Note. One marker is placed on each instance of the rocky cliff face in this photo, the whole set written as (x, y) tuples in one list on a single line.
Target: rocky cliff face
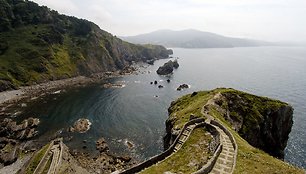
[(171, 134), (263, 122), (38, 45)]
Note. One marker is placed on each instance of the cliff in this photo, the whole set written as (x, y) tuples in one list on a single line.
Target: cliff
[(257, 123), (38, 45), (263, 122)]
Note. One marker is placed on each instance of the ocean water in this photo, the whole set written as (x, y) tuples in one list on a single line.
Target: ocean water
[(137, 112)]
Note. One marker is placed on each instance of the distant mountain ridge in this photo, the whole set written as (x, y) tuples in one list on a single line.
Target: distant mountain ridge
[(192, 39)]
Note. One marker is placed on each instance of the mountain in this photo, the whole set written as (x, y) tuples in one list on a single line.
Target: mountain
[(38, 44), (192, 39)]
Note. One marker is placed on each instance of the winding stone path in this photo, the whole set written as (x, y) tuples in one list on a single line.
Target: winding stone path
[(225, 161)]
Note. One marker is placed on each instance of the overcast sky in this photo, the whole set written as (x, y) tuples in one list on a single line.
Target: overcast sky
[(271, 20)]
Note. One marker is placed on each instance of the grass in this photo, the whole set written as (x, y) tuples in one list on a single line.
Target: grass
[(249, 159), (29, 58), (36, 159), (190, 158), (182, 108), (46, 169)]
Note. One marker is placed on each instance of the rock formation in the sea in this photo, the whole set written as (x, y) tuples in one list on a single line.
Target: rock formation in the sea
[(38, 44), (182, 86), (150, 62), (82, 125), (263, 122), (168, 67)]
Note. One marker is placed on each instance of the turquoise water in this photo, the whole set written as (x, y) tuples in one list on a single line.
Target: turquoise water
[(135, 114)]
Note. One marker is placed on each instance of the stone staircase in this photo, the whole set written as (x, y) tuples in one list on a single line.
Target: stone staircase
[(225, 161), (184, 136), (224, 158)]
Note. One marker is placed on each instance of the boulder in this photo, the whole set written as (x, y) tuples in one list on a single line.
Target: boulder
[(82, 125), (9, 154), (182, 86), (194, 94), (25, 130), (101, 145), (175, 64), (124, 158), (150, 62), (167, 68)]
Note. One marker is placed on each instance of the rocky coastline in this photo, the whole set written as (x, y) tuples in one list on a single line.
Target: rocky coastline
[(19, 138), (262, 122)]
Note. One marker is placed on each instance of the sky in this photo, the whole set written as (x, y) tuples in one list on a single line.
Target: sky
[(270, 20)]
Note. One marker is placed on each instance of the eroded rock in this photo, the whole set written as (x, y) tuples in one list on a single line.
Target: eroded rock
[(167, 68), (101, 145), (82, 125), (182, 86)]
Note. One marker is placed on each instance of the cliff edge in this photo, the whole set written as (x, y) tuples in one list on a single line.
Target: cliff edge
[(260, 125)]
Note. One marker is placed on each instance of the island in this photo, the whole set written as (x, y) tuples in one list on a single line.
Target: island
[(168, 67)]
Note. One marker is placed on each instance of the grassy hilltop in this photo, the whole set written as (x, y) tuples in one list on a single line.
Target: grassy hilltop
[(243, 112)]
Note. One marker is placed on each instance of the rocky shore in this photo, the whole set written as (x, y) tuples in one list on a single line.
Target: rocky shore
[(19, 138), (104, 161), (8, 98)]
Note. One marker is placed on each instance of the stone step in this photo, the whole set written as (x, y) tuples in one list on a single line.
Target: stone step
[(180, 142)]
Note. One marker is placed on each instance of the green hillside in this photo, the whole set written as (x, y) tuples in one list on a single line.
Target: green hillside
[(38, 44)]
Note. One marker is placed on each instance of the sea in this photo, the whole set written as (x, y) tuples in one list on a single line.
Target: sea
[(136, 113)]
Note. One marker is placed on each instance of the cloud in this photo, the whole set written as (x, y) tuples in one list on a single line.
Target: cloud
[(259, 19), (63, 6)]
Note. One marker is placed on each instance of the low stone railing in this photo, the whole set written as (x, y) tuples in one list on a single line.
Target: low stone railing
[(213, 145), (211, 163)]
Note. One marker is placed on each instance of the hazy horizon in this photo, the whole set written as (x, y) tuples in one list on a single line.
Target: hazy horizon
[(267, 20)]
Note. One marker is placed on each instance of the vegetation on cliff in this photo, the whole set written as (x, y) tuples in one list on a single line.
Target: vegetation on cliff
[(249, 159), (38, 44), (190, 158)]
